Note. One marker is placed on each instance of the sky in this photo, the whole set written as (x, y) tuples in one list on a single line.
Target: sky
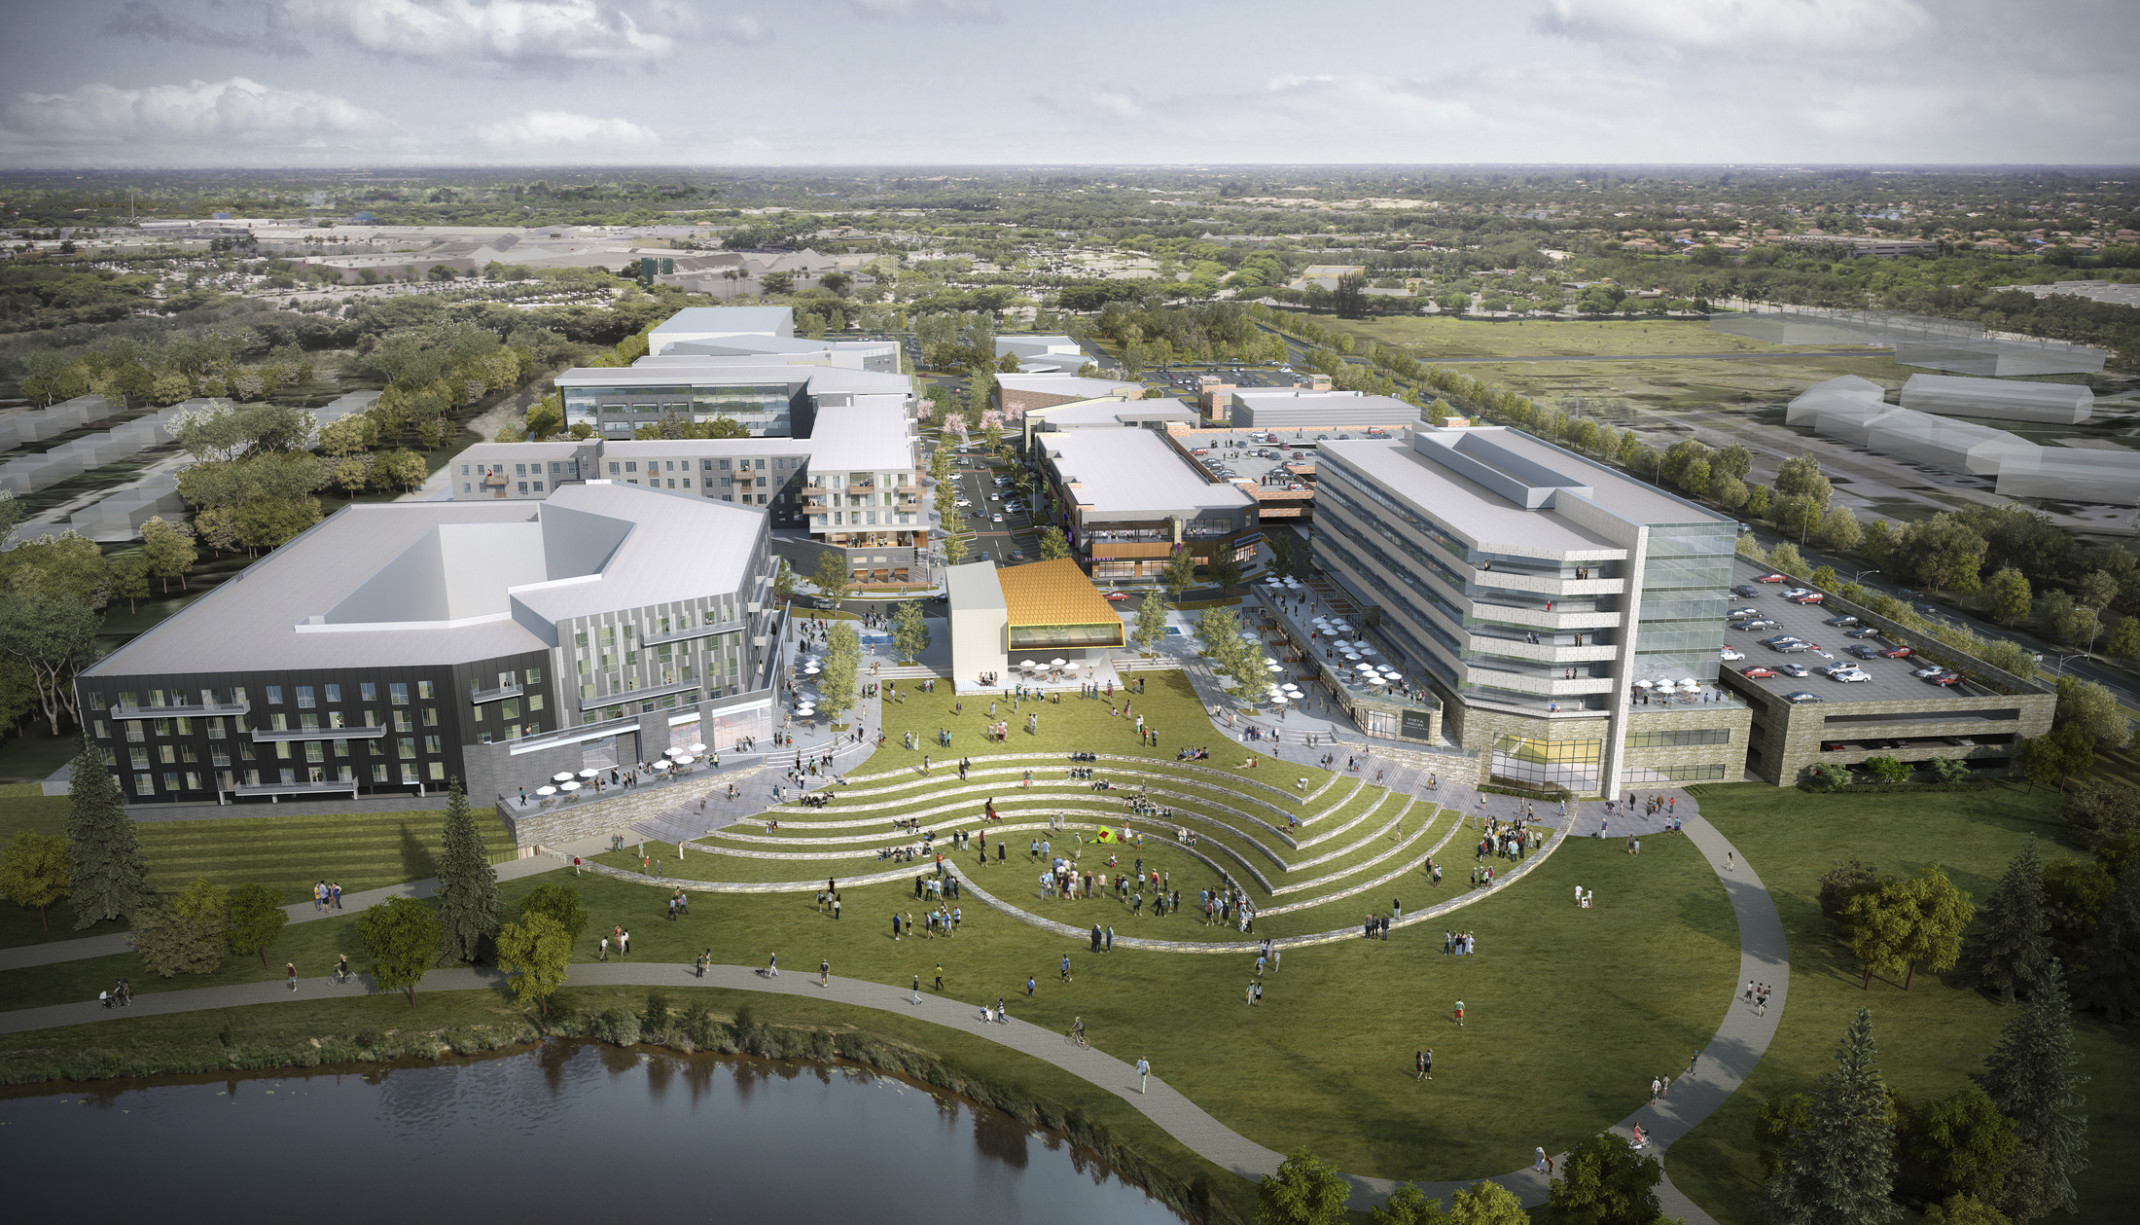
[(215, 83)]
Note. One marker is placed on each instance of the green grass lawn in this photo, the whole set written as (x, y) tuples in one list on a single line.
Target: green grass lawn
[(361, 850), (1325, 1061), (1932, 1036), (1446, 337)]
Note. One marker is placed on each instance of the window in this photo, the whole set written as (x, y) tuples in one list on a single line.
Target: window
[(438, 771), (520, 470), (580, 639), (631, 465), (534, 676), (170, 780), (407, 747), (401, 720), (511, 709), (334, 695), (430, 716), (163, 727), (379, 774), (305, 699), (613, 468), (423, 690), (274, 695), (434, 745), (138, 758), (534, 702), (144, 784), (133, 731), (368, 691), (1676, 739), (400, 692)]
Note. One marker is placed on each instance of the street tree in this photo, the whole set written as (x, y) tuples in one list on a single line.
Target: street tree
[(2093, 709), (838, 681), (1054, 545), (2008, 950), (1840, 1168), (1604, 1182), (832, 576), (1801, 477), (536, 951), (256, 919), (33, 872), (1226, 570), (103, 852), (910, 630), (2030, 1077), (1180, 572), (2123, 640), (1302, 1191), (1151, 623), (467, 883), (1839, 529), (170, 551), (2007, 593), (400, 937)]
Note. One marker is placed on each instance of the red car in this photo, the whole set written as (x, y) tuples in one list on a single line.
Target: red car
[(1947, 678), (1772, 578), (1758, 673), (1897, 652), (1118, 595)]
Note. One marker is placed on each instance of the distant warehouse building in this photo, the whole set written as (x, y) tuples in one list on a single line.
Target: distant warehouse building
[(398, 645), (1998, 399), (1301, 410)]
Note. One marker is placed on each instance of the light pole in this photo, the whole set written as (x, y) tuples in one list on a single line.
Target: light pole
[(2061, 669), (1859, 575), (2095, 622)]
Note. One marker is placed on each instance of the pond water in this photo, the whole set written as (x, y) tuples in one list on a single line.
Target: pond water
[(566, 1131)]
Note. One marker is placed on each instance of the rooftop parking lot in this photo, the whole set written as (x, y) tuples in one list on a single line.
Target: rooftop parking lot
[(1830, 644)]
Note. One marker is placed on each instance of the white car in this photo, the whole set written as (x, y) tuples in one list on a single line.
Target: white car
[(964, 503), (1849, 676), (1730, 654), (995, 518)]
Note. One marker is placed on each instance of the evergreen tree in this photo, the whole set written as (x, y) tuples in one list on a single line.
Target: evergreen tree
[(467, 884), (2112, 981), (1840, 1168), (2030, 1078), (2009, 952), (110, 876)]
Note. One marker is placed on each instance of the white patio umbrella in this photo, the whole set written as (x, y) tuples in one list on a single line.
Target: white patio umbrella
[(546, 791), (1643, 684), (1280, 699), (1274, 667), (1072, 666), (1028, 665), (1058, 662), (589, 773), (661, 765), (562, 776), (1690, 683), (697, 748), (1394, 678), (672, 752), (568, 787), (685, 760)]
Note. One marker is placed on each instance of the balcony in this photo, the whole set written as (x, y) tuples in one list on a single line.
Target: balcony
[(1539, 683), (1535, 616), (476, 695), (915, 490), (263, 735), (628, 696), (862, 490), (1547, 652), (342, 786), (183, 711)]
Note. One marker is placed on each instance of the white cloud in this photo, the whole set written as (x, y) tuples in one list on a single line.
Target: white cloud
[(684, 21), (498, 35), (943, 10), (559, 129), (198, 111), (1755, 27), (144, 20)]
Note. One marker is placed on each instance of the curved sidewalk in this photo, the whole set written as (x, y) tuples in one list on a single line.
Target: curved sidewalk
[(1723, 1066)]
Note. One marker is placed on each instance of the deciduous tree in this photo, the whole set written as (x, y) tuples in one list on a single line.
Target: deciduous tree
[(832, 575), (1407, 1205), (1180, 572), (1959, 1144), (837, 681), (33, 872), (1302, 1191), (52, 632), (536, 951), (910, 630), (1151, 623), (256, 919), (1054, 546), (400, 937), (1604, 1182), (560, 902), (1487, 1203), (2008, 595), (169, 550)]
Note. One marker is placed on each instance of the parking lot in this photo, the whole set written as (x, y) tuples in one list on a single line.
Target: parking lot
[(1830, 644), (1009, 543)]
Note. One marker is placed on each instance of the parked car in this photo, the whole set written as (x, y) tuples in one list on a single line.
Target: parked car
[(1865, 631), (1794, 669), (1928, 672), (1781, 638), (1946, 678), (995, 518), (1833, 746), (1897, 652), (1757, 626), (1864, 652), (1730, 653), (1801, 698), (1758, 673), (1744, 592), (1845, 620), (1850, 676), (1118, 596), (1746, 610), (1772, 578), (1810, 597), (1961, 742), (1792, 648)]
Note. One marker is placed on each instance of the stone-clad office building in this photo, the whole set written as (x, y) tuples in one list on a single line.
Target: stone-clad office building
[(395, 646)]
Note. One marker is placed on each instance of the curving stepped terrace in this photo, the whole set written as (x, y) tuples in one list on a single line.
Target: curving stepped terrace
[(1313, 859)]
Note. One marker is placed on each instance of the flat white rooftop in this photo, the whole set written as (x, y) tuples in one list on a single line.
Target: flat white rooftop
[(1135, 472)]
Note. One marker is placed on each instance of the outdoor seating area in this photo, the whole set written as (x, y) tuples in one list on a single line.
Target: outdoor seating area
[(585, 785)]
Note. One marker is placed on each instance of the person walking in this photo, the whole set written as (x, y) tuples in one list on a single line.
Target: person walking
[(772, 965), (1691, 1062), (824, 972), (1460, 1014), (1665, 1089), (939, 976), (624, 944), (1653, 1090), (1426, 1063), (290, 968), (1540, 1164), (1144, 1072), (917, 988)]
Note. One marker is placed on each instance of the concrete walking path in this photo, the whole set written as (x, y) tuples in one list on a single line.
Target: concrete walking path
[(1720, 1069)]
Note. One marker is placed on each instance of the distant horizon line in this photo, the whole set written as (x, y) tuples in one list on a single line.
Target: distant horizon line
[(1007, 166)]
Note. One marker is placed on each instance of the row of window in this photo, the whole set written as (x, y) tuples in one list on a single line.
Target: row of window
[(176, 781), (1679, 738)]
